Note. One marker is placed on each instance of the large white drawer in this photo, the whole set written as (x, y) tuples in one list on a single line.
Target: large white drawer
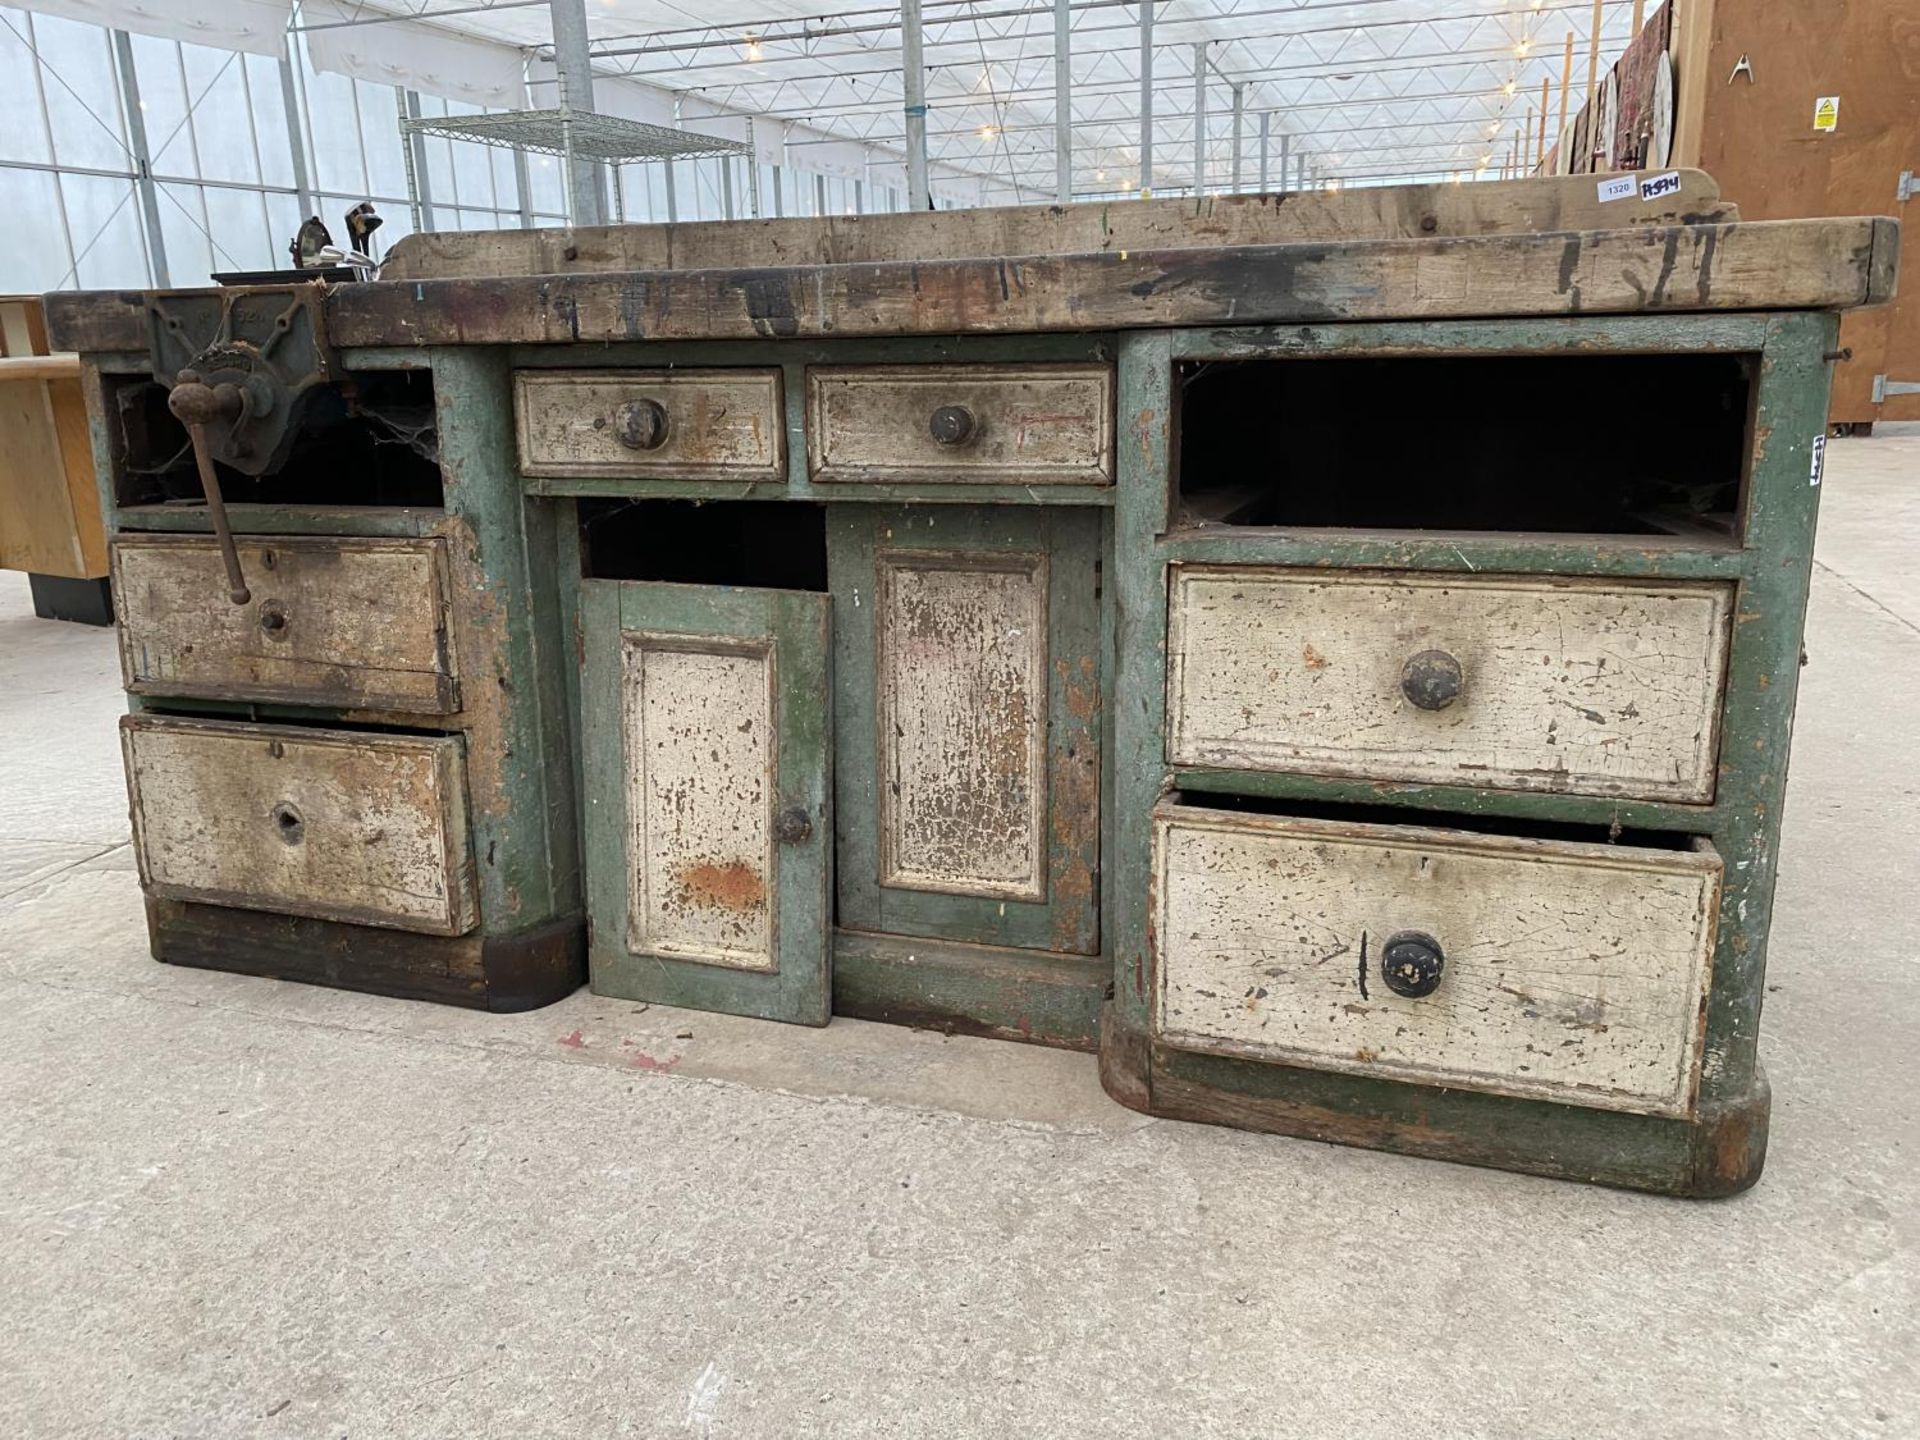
[(359, 826), (1584, 686), (1563, 971), (352, 622)]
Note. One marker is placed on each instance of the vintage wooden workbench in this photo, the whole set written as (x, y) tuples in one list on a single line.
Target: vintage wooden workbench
[(1335, 654)]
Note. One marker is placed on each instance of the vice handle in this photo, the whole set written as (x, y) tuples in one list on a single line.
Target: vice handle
[(194, 404)]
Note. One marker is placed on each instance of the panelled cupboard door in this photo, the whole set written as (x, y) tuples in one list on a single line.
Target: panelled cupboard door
[(706, 723), (966, 643)]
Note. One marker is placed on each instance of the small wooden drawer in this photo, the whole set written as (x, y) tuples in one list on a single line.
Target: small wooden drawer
[(961, 424), (359, 624), (357, 826), (1575, 685), (652, 424), (1559, 970)]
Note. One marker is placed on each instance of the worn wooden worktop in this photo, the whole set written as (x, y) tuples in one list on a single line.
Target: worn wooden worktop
[(1410, 253)]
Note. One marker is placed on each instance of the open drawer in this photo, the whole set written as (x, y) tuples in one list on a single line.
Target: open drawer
[(349, 622), (359, 826), (1553, 969), (1588, 686)]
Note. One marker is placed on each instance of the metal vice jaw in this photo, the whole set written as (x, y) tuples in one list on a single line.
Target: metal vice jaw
[(240, 364)]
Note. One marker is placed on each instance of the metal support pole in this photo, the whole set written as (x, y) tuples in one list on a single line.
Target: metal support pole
[(1265, 116), (726, 186), (1200, 118), (523, 181), (1239, 111), (143, 162), (1062, 101), (574, 69), (296, 145), (1146, 98), (1301, 170), (414, 153), (753, 173), (1286, 160), (914, 86)]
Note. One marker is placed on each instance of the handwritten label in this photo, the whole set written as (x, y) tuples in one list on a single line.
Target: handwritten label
[(1826, 113), (1819, 464), (1654, 186), (1620, 187)]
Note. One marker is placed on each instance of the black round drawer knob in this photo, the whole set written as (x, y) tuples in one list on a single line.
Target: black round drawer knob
[(1431, 680), (951, 425), (1412, 963), (793, 825), (641, 424)]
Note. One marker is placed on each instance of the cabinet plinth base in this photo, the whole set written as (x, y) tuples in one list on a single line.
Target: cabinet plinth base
[(83, 602), (1033, 997), (1718, 1152), (502, 973)]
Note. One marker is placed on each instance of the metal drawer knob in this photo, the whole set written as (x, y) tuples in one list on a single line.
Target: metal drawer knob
[(792, 826), (641, 424), (273, 618), (1411, 963), (951, 425), (1431, 680)]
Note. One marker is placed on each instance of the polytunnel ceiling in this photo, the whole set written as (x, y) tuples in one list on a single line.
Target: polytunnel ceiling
[(1370, 91)]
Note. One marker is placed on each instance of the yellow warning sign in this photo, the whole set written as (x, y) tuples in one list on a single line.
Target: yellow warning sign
[(1826, 113)]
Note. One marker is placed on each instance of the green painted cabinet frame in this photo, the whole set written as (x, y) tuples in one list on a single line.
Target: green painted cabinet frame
[(1720, 1149), (510, 615)]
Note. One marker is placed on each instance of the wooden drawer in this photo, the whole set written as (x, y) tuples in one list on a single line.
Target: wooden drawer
[(652, 424), (1569, 972), (961, 424), (1583, 686), (344, 825), (353, 623)]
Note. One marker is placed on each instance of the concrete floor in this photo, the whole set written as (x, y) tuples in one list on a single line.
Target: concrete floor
[(232, 1207)]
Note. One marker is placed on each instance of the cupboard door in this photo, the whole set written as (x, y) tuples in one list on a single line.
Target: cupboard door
[(969, 770), (706, 724)]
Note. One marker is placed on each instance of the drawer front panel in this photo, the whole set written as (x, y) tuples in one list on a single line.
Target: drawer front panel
[(961, 424), (1593, 687), (1567, 972), (342, 825), (652, 424), (354, 623)]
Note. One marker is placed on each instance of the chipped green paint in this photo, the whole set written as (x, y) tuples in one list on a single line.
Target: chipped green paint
[(507, 618), (793, 627)]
